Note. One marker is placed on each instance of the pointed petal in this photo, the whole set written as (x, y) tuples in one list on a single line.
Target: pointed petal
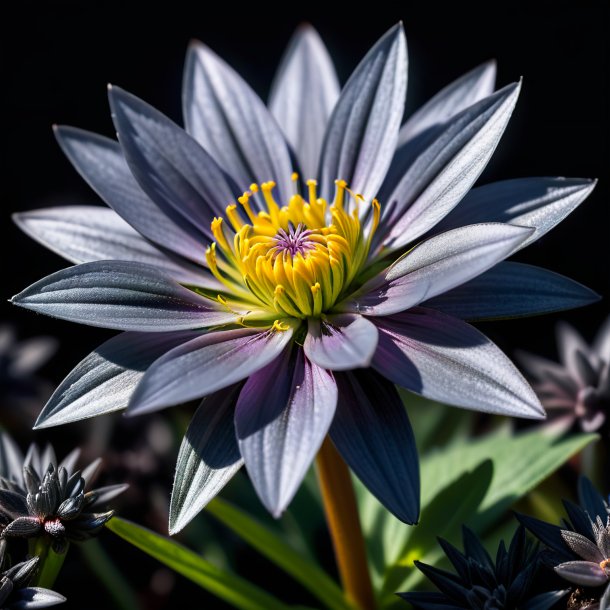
[(282, 416), (208, 458), (23, 527), (582, 546), (103, 495), (87, 233), (230, 121), (303, 95), (171, 167), (32, 598), (122, 296), (601, 345), (363, 128), (582, 573), (340, 342), (540, 203), (372, 432), (101, 163), (436, 266), (426, 351), (455, 97), (590, 499), (206, 364), (11, 459), (570, 344), (104, 381), (511, 290), (425, 190), (604, 602), (29, 355), (12, 504)]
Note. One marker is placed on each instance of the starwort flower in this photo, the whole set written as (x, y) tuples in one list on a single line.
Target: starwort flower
[(295, 305), (583, 531), (44, 498), (482, 585), (15, 594), (578, 389)]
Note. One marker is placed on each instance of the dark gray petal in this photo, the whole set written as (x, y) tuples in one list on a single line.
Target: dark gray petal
[(122, 296), (21, 573), (281, 418), (582, 573), (582, 546), (511, 290), (206, 364), (171, 167), (85, 233), (540, 203), (208, 458), (436, 266), (11, 459), (373, 435), (604, 602), (455, 97), (29, 355), (420, 193), (363, 128), (100, 497), (601, 345), (32, 598), (426, 352), (303, 95), (71, 507), (101, 163), (12, 504), (104, 381), (571, 344), (340, 342), (23, 527), (87, 477), (231, 122)]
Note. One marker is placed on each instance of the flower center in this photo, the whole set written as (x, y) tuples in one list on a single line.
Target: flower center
[(295, 260)]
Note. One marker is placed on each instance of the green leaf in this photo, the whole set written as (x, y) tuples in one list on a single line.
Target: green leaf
[(269, 544), (444, 516), (229, 587)]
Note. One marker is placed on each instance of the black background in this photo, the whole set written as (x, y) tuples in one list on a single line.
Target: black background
[(57, 58)]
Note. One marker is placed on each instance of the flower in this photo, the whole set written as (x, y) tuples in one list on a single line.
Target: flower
[(39, 498), (291, 266), (584, 536), (578, 389), (482, 585), (14, 590)]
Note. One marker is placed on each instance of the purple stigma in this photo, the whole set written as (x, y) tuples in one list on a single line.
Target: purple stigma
[(293, 242)]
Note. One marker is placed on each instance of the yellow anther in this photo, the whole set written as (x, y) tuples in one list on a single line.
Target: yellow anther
[(279, 326), (254, 187), (294, 177), (312, 187), (244, 200), (339, 193), (234, 217)]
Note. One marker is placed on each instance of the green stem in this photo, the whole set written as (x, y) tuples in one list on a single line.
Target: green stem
[(50, 562), (344, 525)]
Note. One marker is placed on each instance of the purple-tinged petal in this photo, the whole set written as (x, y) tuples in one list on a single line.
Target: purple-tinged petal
[(11, 459), (231, 122), (363, 128), (282, 416), (340, 342), (100, 162), (582, 573), (455, 97), (207, 364), (171, 167), (122, 296), (420, 193), (87, 233), (511, 290), (303, 95), (582, 546), (601, 345), (445, 359), (540, 203), (104, 381), (208, 458), (372, 433), (571, 348), (436, 266)]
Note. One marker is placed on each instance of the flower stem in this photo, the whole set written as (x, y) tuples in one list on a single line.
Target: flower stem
[(50, 562), (344, 525)]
